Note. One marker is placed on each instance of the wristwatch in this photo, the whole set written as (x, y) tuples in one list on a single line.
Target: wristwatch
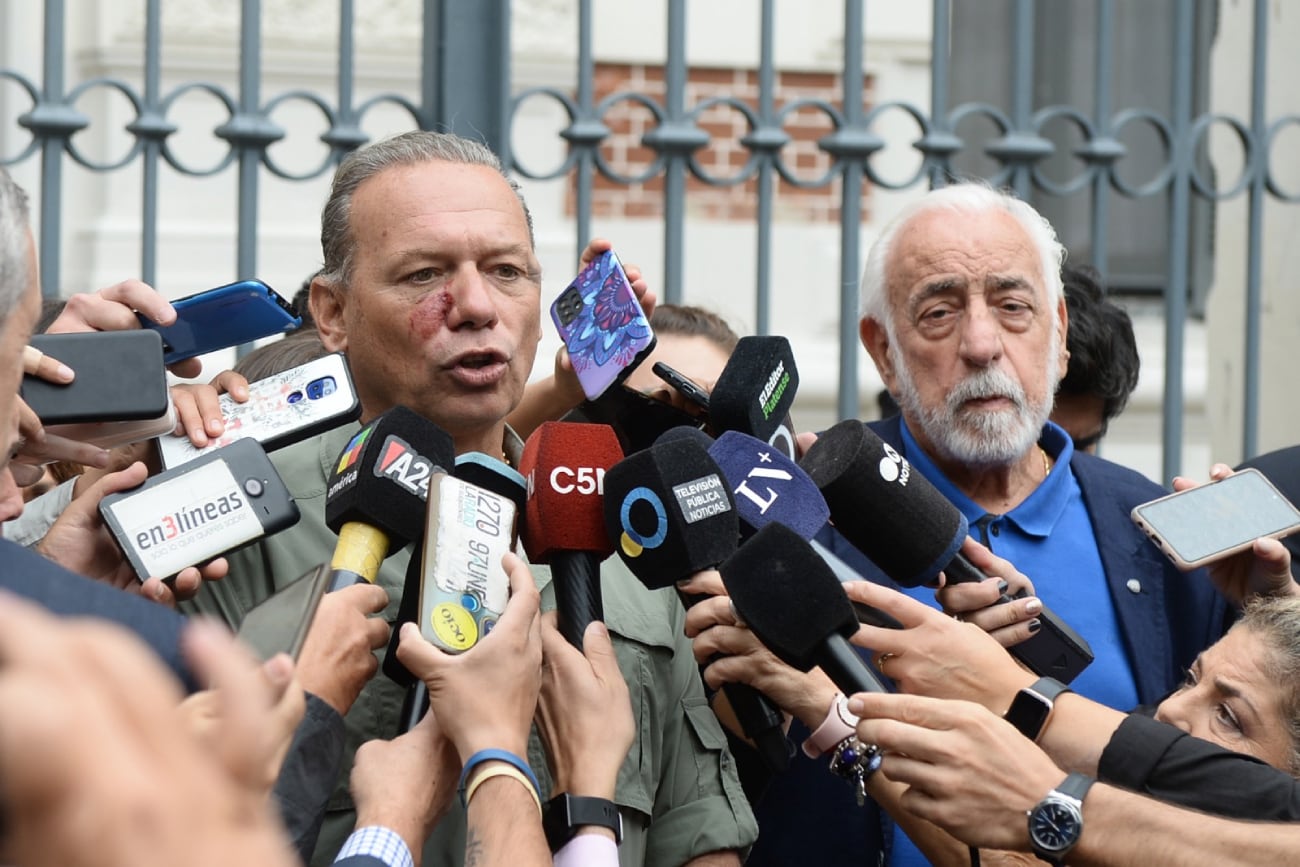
[(1056, 823), (565, 814), (1033, 705)]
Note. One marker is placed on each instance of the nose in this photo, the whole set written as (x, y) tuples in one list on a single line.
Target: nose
[(981, 335), (473, 302), (1174, 710)]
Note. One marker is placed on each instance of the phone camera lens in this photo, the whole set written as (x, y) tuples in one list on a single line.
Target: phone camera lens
[(254, 487)]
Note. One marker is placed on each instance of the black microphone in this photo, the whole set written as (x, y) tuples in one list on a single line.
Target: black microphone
[(670, 512), (375, 497), (796, 606), (755, 391), (903, 524)]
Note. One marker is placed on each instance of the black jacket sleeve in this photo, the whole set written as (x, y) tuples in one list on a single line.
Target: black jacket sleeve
[(1159, 760), (307, 777)]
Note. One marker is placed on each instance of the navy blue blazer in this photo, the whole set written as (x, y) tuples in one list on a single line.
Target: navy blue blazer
[(1165, 624), (30, 575)]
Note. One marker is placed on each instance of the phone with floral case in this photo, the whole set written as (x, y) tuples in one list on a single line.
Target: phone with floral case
[(602, 325)]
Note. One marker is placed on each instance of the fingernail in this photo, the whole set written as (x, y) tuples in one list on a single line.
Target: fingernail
[(410, 630), (64, 372), (1035, 625), (158, 590), (1002, 586), (279, 669), (856, 706), (1033, 606)]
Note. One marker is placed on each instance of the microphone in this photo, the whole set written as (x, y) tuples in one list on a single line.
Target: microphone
[(458, 582), (375, 497), (795, 605), (756, 389), (670, 510), (768, 486), (903, 524), (565, 464)]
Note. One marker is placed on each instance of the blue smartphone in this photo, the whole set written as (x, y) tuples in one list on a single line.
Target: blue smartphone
[(223, 317), (602, 325)]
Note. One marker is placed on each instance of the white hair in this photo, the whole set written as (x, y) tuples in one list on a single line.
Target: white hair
[(14, 274), (969, 198)]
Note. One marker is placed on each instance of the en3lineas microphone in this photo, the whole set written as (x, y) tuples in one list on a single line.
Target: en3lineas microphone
[(375, 498)]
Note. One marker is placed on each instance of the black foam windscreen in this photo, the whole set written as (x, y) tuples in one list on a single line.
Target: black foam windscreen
[(381, 477), (756, 389), (669, 512), (883, 506), (788, 595), (768, 486), (684, 432)]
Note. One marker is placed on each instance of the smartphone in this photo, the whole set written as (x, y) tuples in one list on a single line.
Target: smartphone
[(464, 589), (111, 434), (280, 623), (206, 508), (281, 409), (682, 384), (222, 317), (1208, 523), (602, 325), (119, 377), (637, 419)]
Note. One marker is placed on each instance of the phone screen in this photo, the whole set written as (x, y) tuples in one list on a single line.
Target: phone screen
[(279, 623), (1200, 524)]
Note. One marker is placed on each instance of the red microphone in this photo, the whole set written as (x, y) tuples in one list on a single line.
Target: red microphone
[(564, 523)]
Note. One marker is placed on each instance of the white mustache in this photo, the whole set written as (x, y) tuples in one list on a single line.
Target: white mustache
[(984, 384)]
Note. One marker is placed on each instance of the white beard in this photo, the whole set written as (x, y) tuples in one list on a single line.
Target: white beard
[(980, 438)]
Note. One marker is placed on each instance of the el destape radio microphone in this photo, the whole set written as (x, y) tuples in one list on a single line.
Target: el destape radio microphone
[(893, 515), (375, 499), (565, 464), (671, 515), (795, 605)]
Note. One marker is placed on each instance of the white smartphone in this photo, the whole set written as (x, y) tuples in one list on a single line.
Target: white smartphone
[(1216, 520), (281, 409)]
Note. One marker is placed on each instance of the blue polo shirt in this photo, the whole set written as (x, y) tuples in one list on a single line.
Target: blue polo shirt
[(1050, 539)]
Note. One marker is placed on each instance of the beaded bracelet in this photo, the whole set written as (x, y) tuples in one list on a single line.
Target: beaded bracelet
[(856, 762)]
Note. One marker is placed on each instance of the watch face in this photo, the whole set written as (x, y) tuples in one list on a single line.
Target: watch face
[(1055, 825)]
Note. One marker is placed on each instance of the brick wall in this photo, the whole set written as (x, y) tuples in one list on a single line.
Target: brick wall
[(724, 156)]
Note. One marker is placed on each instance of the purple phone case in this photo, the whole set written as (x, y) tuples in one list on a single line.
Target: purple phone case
[(602, 325)]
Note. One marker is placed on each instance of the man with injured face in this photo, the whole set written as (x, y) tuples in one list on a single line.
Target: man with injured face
[(432, 287), (964, 316)]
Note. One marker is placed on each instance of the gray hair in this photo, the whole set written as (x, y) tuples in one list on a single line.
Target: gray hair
[(14, 236), (411, 148), (1276, 620), (970, 198)]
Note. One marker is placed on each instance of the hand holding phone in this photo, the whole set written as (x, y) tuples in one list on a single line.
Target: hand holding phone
[(1211, 522), (602, 325), (279, 623), (222, 317)]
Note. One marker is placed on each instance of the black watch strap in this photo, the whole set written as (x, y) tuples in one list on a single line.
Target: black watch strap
[(1033, 705), (565, 814), (1076, 786)]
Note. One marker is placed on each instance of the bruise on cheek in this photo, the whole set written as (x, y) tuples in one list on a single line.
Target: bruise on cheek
[(430, 314)]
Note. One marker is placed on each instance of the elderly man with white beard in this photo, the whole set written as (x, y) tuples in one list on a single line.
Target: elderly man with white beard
[(964, 316)]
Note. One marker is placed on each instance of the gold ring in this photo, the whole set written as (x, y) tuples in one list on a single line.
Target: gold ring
[(882, 659)]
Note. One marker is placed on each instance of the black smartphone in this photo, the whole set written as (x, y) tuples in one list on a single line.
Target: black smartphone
[(280, 622), (200, 510), (119, 377), (225, 316), (637, 419), (682, 384)]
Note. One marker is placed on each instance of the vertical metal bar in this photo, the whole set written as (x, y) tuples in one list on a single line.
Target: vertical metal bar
[(250, 156), (1179, 222), (766, 186), (1022, 89), (940, 49), (472, 60), (52, 153), (1102, 102), (586, 165), (1254, 230), (429, 108), (152, 144), (675, 169), (850, 213)]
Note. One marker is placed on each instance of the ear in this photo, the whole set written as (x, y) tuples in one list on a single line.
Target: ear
[(1062, 326), (329, 307), (875, 339)]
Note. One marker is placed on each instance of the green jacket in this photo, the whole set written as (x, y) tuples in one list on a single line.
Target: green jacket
[(678, 789)]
